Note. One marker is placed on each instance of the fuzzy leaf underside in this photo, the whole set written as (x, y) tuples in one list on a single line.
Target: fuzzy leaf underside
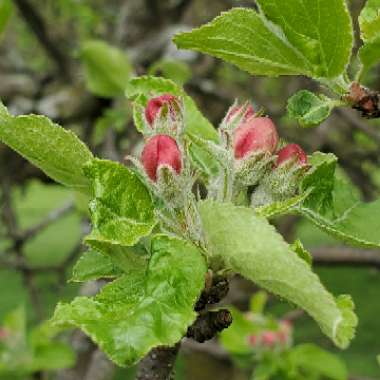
[(145, 308), (56, 151), (250, 246), (284, 38)]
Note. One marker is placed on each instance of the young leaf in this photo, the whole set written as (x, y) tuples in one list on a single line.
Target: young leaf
[(302, 253), (93, 265), (334, 207), (107, 68), (149, 307), (284, 38), (249, 245), (122, 210), (309, 109), (56, 151), (312, 358)]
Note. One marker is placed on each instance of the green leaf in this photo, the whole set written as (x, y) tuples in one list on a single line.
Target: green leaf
[(320, 29), (93, 265), (249, 245), (56, 151), (285, 38), (6, 10), (107, 68), (335, 207), (312, 358), (149, 307), (310, 109), (142, 88), (369, 20), (320, 181), (282, 207), (378, 359), (122, 210)]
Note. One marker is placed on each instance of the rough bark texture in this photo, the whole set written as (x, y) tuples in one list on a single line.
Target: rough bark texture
[(158, 364)]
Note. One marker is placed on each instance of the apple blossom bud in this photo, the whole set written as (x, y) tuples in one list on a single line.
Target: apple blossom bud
[(161, 151), (248, 112), (268, 338), (258, 134), (252, 340), (291, 152), (155, 104)]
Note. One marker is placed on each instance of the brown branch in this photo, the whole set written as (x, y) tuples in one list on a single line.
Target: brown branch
[(38, 26), (345, 256), (158, 364)]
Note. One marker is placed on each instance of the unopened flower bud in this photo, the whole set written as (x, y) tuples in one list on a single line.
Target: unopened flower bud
[(268, 338), (258, 134), (252, 340), (155, 105), (291, 152), (247, 112), (161, 151)]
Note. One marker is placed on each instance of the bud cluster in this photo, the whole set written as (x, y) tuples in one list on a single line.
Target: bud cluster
[(272, 339), (248, 153), (255, 161), (165, 165)]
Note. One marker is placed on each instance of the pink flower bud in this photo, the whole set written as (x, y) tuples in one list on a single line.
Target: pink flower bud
[(269, 338), (258, 134), (252, 340), (161, 150), (155, 104), (4, 333), (291, 152), (249, 112)]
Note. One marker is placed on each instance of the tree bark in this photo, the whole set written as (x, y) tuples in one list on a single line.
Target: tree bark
[(158, 364)]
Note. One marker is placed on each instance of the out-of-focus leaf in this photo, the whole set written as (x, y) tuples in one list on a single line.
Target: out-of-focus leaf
[(6, 10), (145, 308), (249, 245), (314, 359), (369, 22), (177, 71), (107, 68), (56, 151)]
